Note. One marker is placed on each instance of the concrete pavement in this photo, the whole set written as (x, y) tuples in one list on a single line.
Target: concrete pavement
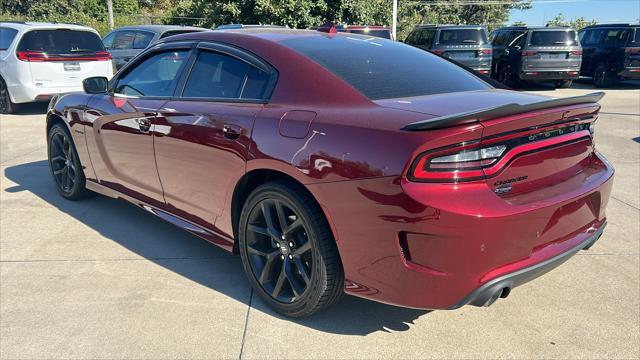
[(102, 279)]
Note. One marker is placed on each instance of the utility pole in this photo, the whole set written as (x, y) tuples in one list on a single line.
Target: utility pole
[(110, 13), (394, 21)]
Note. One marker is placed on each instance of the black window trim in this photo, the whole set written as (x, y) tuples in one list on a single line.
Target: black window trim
[(152, 51), (235, 52)]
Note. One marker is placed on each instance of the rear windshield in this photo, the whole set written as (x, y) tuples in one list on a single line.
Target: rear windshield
[(462, 37), (6, 37), (385, 69), (61, 42), (553, 38), (385, 34), (176, 32)]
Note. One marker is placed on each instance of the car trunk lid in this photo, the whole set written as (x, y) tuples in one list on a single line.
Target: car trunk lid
[(529, 143)]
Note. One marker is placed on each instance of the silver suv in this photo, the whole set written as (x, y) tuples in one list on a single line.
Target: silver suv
[(536, 54), (465, 44)]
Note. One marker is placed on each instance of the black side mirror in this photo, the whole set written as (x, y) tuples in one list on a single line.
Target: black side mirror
[(95, 85)]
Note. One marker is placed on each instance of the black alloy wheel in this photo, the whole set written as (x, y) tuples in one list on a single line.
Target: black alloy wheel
[(288, 250), (279, 250), (64, 164)]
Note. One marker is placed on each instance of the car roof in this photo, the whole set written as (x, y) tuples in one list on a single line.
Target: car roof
[(448, 26), (539, 28), (159, 28), (248, 26), (29, 25), (359, 27), (610, 25)]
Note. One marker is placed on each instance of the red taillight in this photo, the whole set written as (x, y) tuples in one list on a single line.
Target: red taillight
[(438, 52), (632, 50), (39, 56), (483, 72), (486, 52), (529, 53), (31, 56), (480, 160), (576, 52), (455, 164)]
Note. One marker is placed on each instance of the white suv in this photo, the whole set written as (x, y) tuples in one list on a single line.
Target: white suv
[(39, 60)]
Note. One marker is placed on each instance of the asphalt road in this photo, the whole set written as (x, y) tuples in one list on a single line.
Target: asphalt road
[(103, 279)]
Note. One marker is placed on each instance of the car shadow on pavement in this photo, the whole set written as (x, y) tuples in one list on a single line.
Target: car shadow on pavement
[(36, 108), (196, 259)]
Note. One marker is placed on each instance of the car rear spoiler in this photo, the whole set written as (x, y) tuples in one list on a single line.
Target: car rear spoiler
[(499, 111)]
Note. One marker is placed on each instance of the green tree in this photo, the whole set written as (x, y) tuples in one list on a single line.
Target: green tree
[(576, 24)]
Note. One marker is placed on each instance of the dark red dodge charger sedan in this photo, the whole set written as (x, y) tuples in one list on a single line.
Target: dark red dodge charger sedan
[(336, 163)]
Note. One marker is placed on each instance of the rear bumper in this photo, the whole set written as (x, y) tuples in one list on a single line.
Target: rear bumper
[(440, 246), (501, 286), (630, 73), (25, 92), (544, 75)]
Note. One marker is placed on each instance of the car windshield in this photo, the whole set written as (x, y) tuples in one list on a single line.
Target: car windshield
[(61, 42), (462, 37), (385, 69), (385, 34), (553, 38)]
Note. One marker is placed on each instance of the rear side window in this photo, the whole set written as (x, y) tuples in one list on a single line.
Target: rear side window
[(553, 38), (462, 37), (384, 69), (142, 39), (176, 32), (61, 42), (123, 40), (615, 37), (6, 37), (219, 76), (154, 76)]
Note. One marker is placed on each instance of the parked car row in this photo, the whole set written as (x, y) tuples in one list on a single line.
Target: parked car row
[(607, 53), (41, 59)]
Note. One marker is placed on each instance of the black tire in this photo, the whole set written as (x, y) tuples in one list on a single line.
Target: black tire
[(505, 76), (295, 268), (563, 84), (6, 106), (64, 164), (602, 77)]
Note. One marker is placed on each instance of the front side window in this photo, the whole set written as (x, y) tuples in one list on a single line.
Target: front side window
[(384, 69), (6, 37), (219, 76), (154, 76), (108, 40)]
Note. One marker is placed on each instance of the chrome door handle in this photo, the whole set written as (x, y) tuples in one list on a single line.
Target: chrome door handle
[(231, 131), (144, 124)]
